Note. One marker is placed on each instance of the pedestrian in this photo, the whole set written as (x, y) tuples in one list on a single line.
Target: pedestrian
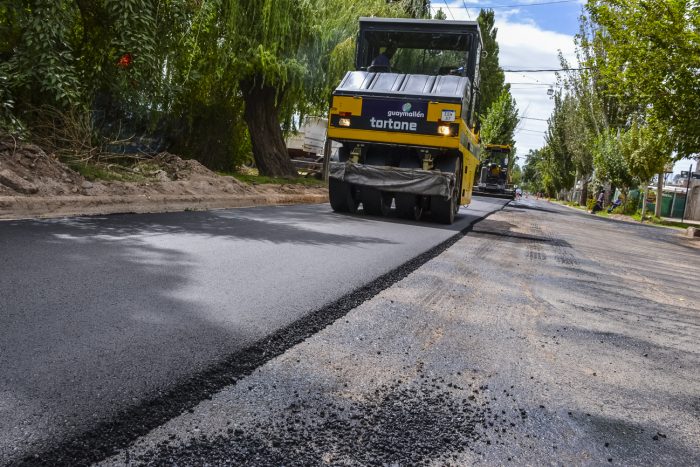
[(599, 202), (618, 202)]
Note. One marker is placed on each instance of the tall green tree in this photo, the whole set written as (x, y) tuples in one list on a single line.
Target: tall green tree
[(414, 8), (560, 166), (610, 163), (491, 74), (653, 57), (499, 125), (645, 148), (264, 41)]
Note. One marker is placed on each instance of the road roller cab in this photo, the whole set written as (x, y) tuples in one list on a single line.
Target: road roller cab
[(494, 178)]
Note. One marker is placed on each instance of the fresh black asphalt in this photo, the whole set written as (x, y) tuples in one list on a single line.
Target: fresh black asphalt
[(110, 326)]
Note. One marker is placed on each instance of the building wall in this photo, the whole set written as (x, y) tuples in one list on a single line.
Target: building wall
[(692, 210)]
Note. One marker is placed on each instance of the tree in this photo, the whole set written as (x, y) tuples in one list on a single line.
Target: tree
[(653, 57), (500, 123), (414, 8), (560, 167), (492, 76), (264, 38), (516, 175), (439, 14), (609, 162), (282, 57), (645, 150)]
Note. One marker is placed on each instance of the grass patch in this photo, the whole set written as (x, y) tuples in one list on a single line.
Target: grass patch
[(255, 179), (572, 204), (662, 222), (109, 173)]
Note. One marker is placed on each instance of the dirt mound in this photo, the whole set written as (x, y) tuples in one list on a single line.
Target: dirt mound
[(26, 169), (28, 173)]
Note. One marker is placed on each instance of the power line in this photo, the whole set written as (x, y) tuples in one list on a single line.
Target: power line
[(547, 70), (448, 9), (466, 10), (521, 5), (516, 5), (532, 118), (531, 84)]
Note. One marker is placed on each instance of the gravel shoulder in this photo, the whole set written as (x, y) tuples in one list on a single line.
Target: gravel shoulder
[(541, 337)]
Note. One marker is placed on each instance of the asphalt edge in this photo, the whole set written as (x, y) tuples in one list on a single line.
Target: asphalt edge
[(107, 438), (74, 206)]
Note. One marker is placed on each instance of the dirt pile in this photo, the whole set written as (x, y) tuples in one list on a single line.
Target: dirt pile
[(34, 183)]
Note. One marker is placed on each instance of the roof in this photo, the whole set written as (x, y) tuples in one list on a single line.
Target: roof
[(372, 19), (445, 87)]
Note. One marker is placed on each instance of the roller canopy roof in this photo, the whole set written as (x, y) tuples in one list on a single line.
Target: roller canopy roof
[(443, 88), (421, 34)]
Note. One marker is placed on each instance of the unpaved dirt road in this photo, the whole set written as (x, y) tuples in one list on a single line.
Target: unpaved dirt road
[(544, 336)]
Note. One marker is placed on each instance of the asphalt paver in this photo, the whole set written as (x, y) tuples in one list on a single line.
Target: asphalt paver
[(543, 336)]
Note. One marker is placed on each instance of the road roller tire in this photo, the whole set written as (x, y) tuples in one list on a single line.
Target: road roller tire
[(339, 194), (408, 207), (375, 202), (443, 210)]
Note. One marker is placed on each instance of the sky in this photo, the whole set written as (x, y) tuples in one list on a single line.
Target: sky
[(530, 36)]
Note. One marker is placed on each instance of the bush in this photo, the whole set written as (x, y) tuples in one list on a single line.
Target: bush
[(619, 210), (590, 204)]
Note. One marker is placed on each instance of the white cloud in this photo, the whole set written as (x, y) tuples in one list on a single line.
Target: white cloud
[(526, 46)]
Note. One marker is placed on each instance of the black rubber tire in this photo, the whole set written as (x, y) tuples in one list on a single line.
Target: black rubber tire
[(375, 202), (338, 193), (443, 210), (352, 201), (407, 206)]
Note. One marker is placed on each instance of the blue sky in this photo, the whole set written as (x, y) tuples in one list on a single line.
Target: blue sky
[(529, 37)]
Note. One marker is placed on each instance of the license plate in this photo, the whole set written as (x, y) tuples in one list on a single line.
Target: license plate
[(448, 116)]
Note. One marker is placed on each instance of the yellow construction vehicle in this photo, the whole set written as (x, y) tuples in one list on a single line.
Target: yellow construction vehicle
[(405, 119), (494, 178)]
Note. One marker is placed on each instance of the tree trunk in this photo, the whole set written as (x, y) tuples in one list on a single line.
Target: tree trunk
[(583, 200), (269, 149), (644, 201), (659, 195)]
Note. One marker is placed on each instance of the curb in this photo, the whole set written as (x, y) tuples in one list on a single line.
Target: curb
[(33, 207)]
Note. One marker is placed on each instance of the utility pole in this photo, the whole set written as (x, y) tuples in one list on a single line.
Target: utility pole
[(687, 192)]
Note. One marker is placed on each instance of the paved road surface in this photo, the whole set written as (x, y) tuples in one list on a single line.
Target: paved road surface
[(544, 336), (102, 314)]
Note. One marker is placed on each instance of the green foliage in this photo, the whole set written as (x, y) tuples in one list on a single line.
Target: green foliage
[(645, 149), (590, 204), (439, 14), (601, 120), (39, 63), (652, 51), (516, 175), (559, 168), (499, 125), (609, 161), (492, 77), (177, 70)]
